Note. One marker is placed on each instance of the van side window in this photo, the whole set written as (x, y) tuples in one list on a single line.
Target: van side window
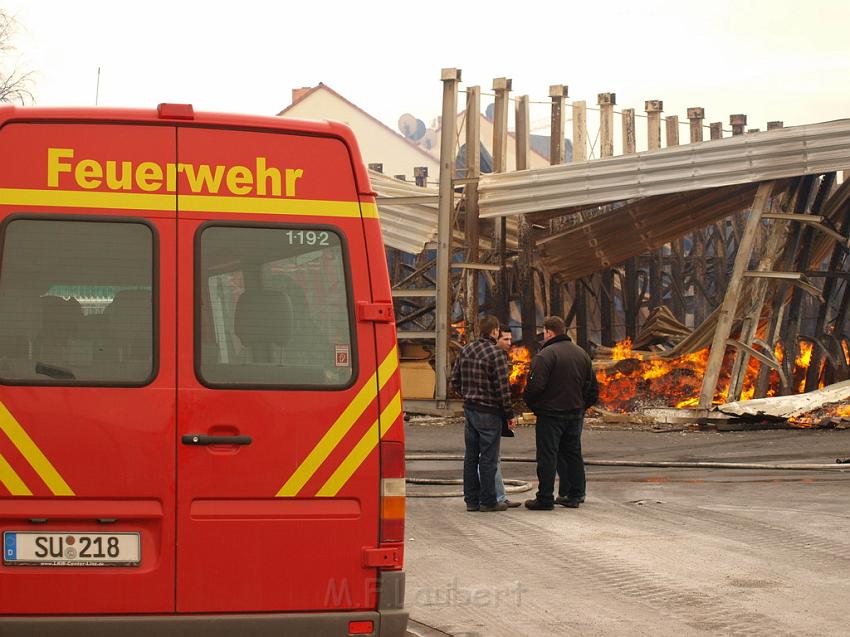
[(273, 308), (76, 302)]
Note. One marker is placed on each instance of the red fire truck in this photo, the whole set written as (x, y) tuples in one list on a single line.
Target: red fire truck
[(200, 412)]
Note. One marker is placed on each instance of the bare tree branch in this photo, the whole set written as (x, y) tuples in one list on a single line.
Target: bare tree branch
[(15, 84)]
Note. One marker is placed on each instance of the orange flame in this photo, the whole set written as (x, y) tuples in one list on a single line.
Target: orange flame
[(634, 382), (460, 330), (520, 358), (623, 350)]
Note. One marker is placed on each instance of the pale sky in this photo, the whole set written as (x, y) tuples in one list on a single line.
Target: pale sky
[(771, 59)]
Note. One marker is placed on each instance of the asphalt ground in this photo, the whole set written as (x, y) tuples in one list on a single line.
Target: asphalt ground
[(652, 551)]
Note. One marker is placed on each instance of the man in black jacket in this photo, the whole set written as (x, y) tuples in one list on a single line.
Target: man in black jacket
[(561, 385), (480, 375)]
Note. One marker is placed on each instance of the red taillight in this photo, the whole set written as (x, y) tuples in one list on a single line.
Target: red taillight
[(392, 492), (361, 628)]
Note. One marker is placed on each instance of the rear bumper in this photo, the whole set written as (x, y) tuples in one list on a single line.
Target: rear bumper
[(387, 624), (390, 620)]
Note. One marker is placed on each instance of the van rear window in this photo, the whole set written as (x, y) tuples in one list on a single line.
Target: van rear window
[(76, 302), (273, 308)]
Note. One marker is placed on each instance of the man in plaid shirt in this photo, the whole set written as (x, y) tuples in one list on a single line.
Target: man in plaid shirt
[(481, 377)]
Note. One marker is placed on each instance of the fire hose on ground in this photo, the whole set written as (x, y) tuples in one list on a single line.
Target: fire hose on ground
[(521, 486)]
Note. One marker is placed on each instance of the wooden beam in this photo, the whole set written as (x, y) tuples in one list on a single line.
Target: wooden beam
[(677, 302), (796, 200), (653, 110), (804, 257), (557, 149), (526, 238), (502, 87), (770, 253), (606, 102), (579, 130), (738, 122), (629, 290), (628, 131), (450, 78), (696, 115), (672, 130), (726, 315), (472, 223), (716, 129)]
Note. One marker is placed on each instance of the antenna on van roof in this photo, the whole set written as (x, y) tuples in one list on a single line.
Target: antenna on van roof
[(97, 88)]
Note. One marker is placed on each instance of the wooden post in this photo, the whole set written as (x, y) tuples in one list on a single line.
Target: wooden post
[(672, 127), (804, 257), (606, 103), (631, 304), (716, 130), (628, 131), (770, 253), (738, 123), (653, 112), (696, 115), (726, 315), (580, 301), (450, 78), (502, 87), (797, 201), (829, 286), (557, 150), (579, 130), (471, 226), (556, 296), (526, 238), (676, 247)]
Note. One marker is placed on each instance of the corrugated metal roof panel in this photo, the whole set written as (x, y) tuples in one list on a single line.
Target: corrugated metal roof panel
[(410, 226), (742, 159)]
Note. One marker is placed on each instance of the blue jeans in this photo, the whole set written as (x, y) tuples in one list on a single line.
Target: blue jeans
[(482, 437), (501, 496)]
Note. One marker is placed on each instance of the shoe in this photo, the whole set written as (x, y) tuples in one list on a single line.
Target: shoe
[(471, 508), (537, 505), (569, 502), (512, 504), (499, 506)]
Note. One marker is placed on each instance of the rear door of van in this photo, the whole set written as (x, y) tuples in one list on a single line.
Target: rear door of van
[(87, 370), (278, 467)]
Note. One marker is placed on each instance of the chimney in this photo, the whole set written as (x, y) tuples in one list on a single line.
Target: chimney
[(298, 93)]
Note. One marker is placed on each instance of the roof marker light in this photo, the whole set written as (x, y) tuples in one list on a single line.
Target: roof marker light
[(176, 111)]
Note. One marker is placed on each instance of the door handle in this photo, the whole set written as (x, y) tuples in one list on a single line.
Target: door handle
[(204, 439)]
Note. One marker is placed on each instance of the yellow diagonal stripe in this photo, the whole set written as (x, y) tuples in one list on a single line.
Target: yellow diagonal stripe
[(12, 480), (362, 450), (342, 426), (186, 203), (32, 453)]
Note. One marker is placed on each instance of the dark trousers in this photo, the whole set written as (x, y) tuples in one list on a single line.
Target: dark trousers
[(565, 489), (559, 448), (482, 435)]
